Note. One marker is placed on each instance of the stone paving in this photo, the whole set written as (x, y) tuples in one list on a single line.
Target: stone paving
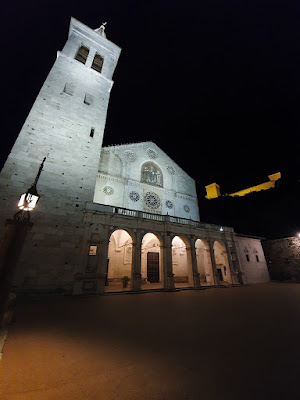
[(227, 344)]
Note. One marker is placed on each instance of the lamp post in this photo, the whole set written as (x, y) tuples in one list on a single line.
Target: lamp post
[(14, 237)]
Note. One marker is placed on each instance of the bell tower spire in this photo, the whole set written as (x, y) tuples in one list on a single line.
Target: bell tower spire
[(101, 29)]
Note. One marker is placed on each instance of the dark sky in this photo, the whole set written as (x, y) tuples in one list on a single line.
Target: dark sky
[(214, 83)]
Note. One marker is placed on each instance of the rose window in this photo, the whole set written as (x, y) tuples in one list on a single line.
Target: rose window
[(152, 200), (151, 153), (171, 170), (108, 190), (130, 156), (134, 196), (169, 204)]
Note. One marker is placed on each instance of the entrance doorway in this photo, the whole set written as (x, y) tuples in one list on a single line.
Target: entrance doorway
[(153, 267), (151, 262)]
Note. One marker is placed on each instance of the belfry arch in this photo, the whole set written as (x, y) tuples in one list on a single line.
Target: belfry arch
[(204, 263), (222, 263), (151, 262), (119, 262), (182, 262)]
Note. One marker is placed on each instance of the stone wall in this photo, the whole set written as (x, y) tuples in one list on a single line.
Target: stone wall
[(283, 257)]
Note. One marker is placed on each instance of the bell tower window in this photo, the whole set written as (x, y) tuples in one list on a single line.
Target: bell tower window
[(97, 63), (82, 54)]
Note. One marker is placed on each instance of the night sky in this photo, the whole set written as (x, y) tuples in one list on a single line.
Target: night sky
[(215, 84)]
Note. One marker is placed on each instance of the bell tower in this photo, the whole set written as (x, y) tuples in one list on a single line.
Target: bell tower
[(66, 125)]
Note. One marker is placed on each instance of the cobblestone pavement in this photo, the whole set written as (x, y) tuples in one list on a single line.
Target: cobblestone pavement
[(231, 343)]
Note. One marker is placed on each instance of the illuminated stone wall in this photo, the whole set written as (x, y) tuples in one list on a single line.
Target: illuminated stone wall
[(72, 101), (283, 257), (142, 177)]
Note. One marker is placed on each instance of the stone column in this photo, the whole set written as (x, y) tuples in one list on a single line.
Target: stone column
[(167, 262), (213, 262), (136, 263), (196, 275)]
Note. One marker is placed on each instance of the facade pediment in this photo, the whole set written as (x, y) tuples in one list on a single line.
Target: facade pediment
[(160, 185)]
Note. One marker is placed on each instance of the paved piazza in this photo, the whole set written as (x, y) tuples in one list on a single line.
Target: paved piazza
[(231, 343)]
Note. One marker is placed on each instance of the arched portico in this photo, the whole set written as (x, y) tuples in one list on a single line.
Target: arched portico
[(204, 263), (182, 262), (119, 261), (152, 262), (222, 263)]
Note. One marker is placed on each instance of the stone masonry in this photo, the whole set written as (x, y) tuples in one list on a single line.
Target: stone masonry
[(283, 257), (72, 102)]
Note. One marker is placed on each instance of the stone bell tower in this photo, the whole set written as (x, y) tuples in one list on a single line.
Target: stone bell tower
[(66, 125)]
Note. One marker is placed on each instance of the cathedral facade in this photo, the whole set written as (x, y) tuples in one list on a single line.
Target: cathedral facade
[(113, 218)]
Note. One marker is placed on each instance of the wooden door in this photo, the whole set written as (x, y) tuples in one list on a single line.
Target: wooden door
[(153, 267)]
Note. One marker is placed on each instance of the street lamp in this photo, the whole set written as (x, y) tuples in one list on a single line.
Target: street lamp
[(12, 243), (29, 200)]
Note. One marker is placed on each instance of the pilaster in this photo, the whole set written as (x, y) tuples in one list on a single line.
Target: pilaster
[(168, 268), (236, 263), (196, 275), (102, 260), (213, 262), (136, 262)]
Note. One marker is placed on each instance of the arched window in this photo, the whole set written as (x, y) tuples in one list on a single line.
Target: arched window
[(97, 62), (82, 54), (151, 174)]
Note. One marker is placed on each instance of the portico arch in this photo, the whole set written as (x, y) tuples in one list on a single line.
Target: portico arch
[(151, 261), (222, 262), (182, 262), (119, 261), (204, 263)]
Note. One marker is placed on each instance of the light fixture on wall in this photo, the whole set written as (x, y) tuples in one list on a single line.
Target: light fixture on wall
[(28, 200)]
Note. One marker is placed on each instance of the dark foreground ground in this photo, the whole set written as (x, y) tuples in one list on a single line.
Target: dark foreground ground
[(231, 343)]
